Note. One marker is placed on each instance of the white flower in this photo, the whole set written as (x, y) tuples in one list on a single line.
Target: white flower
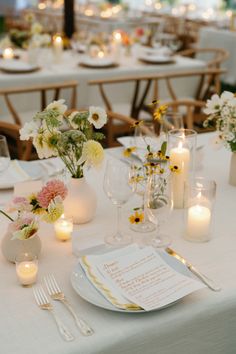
[(58, 106), (54, 210), (92, 153), (97, 117), (29, 130), (227, 136), (42, 144), (226, 96), (213, 105)]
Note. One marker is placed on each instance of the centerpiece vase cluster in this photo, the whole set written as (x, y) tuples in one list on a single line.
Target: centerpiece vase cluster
[(73, 139)]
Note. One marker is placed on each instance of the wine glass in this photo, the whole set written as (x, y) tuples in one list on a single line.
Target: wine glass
[(171, 120), (159, 205), (4, 154), (118, 190)]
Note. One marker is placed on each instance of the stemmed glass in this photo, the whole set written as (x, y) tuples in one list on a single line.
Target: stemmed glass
[(118, 190), (171, 120), (4, 154), (159, 204), (145, 135)]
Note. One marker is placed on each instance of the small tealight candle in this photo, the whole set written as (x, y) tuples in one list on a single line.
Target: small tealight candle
[(63, 228), (8, 53), (26, 268), (57, 48), (198, 223), (101, 54)]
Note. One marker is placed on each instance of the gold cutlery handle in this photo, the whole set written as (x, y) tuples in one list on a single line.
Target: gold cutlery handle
[(210, 283), (65, 333)]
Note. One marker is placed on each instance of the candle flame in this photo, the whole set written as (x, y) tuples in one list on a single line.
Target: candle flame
[(199, 195), (101, 54), (180, 146)]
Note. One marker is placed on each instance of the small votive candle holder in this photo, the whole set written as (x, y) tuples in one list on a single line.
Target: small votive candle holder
[(182, 147), (26, 268), (199, 201), (63, 228)]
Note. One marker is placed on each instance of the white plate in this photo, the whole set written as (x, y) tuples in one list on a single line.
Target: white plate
[(89, 293), (17, 66), (157, 59), (98, 62)]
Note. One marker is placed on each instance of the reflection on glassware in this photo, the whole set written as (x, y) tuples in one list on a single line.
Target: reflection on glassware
[(159, 205), (171, 120), (138, 176), (144, 135), (4, 154), (118, 190)]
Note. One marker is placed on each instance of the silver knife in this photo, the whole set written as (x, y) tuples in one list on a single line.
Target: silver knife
[(210, 283)]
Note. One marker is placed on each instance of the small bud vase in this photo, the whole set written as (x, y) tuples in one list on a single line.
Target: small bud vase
[(232, 171), (12, 247), (81, 201)]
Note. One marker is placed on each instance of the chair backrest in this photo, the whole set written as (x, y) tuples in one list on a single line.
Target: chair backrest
[(43, 90), (207, 83), (213, 56), (192, 111)]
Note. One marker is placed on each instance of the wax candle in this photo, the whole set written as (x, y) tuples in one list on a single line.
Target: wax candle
[(8, 53), (63, 228), (117, 45), (198, 223), (27, 272), (57, 48), (180, 157), (101, 54)]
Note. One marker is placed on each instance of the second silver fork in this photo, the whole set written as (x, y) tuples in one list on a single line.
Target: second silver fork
[(56, 294)]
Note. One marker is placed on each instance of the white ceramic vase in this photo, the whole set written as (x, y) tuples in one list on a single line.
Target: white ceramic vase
[(81, 201), (232, 171), (12, 248)]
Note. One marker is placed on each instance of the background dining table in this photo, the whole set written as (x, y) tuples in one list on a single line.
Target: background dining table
[(203, 322), (69, 69)]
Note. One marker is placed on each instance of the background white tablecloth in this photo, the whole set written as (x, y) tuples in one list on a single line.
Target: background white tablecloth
[(88, 95), (203, 322)]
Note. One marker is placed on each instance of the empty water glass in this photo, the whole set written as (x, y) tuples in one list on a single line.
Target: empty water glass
[(4, 154)]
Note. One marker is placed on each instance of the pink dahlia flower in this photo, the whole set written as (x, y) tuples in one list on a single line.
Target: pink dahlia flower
[(52, 190)]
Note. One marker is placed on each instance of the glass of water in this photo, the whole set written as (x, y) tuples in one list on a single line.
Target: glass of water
[(4, 154)]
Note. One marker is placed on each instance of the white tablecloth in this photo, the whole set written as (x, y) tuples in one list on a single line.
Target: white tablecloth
[(203, 322), (225, 39), (88, 95)]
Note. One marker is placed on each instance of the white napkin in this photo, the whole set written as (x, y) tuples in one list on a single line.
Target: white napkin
[(14, 174)]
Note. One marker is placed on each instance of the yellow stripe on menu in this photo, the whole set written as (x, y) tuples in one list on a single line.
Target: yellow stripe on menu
[(108, 293)]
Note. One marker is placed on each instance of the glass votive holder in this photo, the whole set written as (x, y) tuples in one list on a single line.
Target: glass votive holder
[(199, 202), (63, 228), (26, 268), (181, 149)]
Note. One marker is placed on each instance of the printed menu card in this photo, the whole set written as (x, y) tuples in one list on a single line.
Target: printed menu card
[(133, 278)]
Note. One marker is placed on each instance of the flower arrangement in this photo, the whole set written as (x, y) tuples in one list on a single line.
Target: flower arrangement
[(70, 137), (47, 205), (222, 116), (34, 36), (156, 163)]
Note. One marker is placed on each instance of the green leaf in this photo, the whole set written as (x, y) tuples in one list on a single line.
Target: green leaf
[(164, 148), (232, 145)]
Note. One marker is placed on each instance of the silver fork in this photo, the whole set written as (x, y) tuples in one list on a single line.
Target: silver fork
[(44, 304), (56, 294)]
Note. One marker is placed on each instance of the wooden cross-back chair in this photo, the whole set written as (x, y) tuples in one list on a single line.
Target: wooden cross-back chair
[(12, 130), (207, 83), (214, 56)]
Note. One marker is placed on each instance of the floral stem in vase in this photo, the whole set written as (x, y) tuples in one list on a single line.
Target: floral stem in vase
[(5, 214)]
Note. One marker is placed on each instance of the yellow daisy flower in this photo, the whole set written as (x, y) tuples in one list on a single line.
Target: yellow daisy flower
[(136, 124), (128, 151), (174, 169), (136, 218)]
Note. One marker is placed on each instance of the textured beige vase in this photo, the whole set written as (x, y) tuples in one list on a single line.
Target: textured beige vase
[(12, 248), (232, 171), (81, 201)]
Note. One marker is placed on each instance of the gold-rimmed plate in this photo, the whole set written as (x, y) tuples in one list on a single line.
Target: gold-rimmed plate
[(156, 59), (15, 66), (98, 63)]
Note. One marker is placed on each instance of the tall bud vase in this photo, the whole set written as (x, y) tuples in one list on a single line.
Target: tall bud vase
[(232, 171), (81, 201)]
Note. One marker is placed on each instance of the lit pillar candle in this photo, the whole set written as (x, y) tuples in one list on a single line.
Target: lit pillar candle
[(57, 48), (198, 223), (117, 45), (63, 228), (8, 53), (180, 157), (27, 272)]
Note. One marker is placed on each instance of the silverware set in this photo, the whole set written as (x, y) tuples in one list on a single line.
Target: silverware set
[(56, 294)]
